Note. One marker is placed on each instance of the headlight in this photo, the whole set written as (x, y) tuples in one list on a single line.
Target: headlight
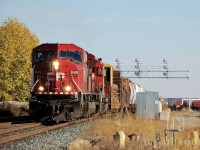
[(68, 88), (41, 88), (56, 65), (93, 75)]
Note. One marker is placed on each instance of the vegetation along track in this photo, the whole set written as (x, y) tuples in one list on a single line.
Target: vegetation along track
[(19, 132)]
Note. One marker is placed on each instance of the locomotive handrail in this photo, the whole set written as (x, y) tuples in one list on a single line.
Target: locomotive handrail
[(76, 84), (34, 85), (98, 89)]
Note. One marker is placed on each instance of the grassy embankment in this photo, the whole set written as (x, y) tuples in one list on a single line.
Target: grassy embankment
[(144, 129)]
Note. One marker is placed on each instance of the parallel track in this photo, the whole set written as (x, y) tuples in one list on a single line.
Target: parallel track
[(15, 134), (14, 128)]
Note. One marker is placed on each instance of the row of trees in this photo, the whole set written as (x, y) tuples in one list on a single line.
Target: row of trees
[(16, 43)]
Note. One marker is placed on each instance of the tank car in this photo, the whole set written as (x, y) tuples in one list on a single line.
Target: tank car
[(128, 91)]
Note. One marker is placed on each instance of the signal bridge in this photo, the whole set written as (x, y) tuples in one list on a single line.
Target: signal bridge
[(154, 72)]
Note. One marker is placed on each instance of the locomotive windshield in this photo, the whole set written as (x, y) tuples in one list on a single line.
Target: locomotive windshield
[(75, 55), (43, 54)]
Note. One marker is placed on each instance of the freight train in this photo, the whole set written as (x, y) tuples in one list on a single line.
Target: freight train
[(69, 83)]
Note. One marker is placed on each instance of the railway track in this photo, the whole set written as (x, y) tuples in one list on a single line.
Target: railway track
[(14, 128), (12, 132)]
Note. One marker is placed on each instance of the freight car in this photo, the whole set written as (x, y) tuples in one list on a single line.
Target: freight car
[(195, 105), (70, 83)]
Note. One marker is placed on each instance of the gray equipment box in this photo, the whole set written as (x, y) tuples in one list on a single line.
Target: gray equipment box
[(148, 105)]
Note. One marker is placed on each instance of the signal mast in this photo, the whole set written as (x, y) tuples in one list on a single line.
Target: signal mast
[(151, 72)]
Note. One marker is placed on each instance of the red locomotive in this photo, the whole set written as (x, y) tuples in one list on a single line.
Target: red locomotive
[(69, 83)]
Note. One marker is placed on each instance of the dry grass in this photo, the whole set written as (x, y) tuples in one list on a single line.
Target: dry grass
[(145, 129), (128, 124)]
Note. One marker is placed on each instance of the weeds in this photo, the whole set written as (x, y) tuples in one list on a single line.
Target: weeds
[(144, 129)]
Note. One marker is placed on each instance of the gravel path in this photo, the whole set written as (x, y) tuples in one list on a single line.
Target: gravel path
[(54, 140)]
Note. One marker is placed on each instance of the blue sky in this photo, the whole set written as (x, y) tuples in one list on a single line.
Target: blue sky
[(146, 29)]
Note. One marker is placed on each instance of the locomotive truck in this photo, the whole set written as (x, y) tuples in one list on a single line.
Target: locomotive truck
[(69, 83)]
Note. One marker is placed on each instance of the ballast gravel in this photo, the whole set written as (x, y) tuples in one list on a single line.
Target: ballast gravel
[(53, 140)]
